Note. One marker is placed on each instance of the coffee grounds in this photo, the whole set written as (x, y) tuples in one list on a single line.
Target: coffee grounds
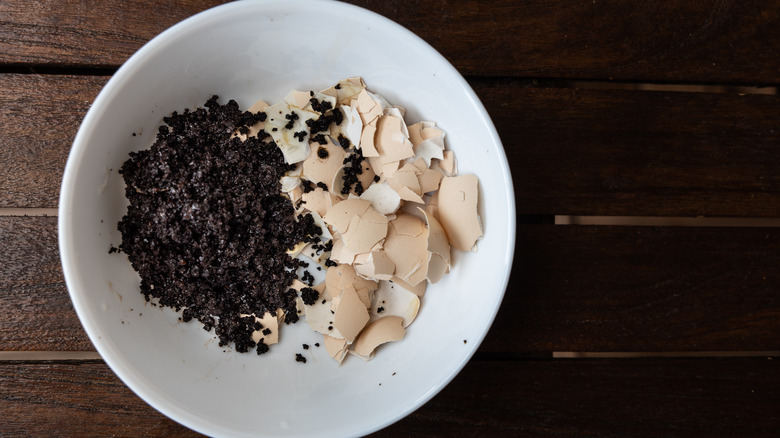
[(207, 228)]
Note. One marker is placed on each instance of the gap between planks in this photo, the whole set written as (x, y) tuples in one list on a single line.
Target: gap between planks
[(662, 221), (16, 356), (28, 212)]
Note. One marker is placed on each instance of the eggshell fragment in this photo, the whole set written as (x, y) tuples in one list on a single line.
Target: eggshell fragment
[(449, 165), (270, 322), (438, 249), (340, 277), (347, 90), (341, 213), (458, 215), (320, 318), (387, 329), (383, 198), (323, 163), (319, 200), (351, 315), (378, 265), (340, 253), (365, 231), (429, 180), (390, 140), (406, 245), (394, 301), (294, 148), (418, 289), (336, 348)]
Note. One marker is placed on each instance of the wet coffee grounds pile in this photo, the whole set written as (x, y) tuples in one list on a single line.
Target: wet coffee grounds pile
[(207, 228)]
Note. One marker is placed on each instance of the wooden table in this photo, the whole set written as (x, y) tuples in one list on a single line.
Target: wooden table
[(644, 142)]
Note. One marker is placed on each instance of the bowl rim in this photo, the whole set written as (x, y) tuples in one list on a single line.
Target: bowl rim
[(66, 242)]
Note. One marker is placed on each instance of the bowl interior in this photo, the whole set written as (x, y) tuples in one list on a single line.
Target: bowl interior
[(247, 51)]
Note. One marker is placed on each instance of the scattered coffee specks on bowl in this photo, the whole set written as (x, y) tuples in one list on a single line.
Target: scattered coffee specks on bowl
[(232, 214)]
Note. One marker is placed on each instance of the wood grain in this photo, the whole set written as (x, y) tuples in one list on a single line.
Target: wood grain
[(579, 152), (573, 288), (630, 153), (40, 115), (36, 308), (645, 397), (670, 40)]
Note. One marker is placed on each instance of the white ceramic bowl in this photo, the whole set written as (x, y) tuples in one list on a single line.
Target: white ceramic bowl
[(246, 51)]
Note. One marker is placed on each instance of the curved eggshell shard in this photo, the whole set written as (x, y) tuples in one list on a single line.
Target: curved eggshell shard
[(352, 126), (458, 198), (351, 314), (319, 201), (336, 348), (406, 245), (438, 248), (394, 300), (339, 277), (294, 148), (347, 90), (383, 198), (289, 183), (383, 330), (270, 322), (323, 163), (340, 215), (365, 231), (319, 318), (390, 140)]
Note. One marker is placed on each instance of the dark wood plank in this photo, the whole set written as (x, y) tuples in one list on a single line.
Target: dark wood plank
[(40, 115), (36, 308), (75, 399), (85, 33), (672, 40), (588, 152), (621, 288), (573, 288), (630, 397), (633, 153)]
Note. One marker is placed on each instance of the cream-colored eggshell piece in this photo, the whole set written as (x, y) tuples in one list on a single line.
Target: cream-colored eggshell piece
[(418, 289), (352, 126), (337, 278), (347, 90), (448, 165), (439, 249), (390, 140), (289, 183), (270, 322), (317, 169), (340, 253), (319, 317), (341, 213), (367, 141), (383, 198), (428, 150), (300, 307), (458, 197), (365, 231), (295, 194), (394, 300), (368, 108), (336, 348), (293, 148), (298, 99), (430, 180), (383, 330), (406, 245), (351, 315), (319, 201)]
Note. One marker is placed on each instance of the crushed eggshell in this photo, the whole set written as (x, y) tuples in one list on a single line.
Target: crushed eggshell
[(383, 330), (458, 214), (406, 245), (438, 249), (387, 228), (351, 314), (390, 299), (336, 348)]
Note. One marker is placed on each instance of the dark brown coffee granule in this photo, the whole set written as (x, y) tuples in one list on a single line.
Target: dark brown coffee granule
[(207, 227), (309, 295), (299, 358)]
